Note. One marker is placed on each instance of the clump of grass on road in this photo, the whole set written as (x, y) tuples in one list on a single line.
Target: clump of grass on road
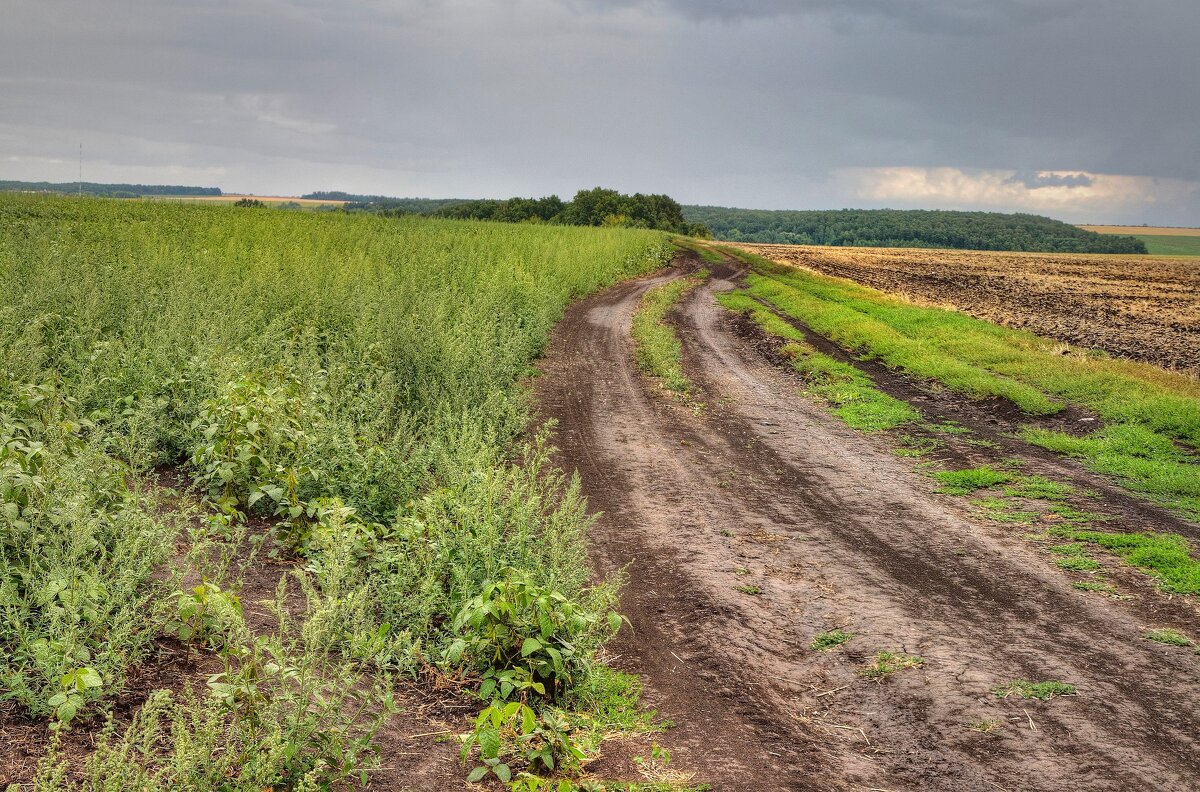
[(1042, 691), (964, 482), (884, 664), (830, 639), (1169, 636), (659, 352), (1166, 557)]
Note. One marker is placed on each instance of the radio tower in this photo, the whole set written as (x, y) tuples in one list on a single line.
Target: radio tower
[(81, 170)]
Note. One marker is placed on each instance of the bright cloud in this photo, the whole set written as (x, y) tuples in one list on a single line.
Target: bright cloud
[(1071, 195)]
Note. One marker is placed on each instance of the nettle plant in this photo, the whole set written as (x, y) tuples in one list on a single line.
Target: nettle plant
[(524, 637)]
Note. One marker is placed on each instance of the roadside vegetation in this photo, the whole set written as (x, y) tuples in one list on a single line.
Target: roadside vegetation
[(1149, 419), (341, 392)]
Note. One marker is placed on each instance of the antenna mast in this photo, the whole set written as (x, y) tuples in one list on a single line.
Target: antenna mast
[(81, 170)]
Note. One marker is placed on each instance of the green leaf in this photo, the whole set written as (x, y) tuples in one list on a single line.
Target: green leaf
[(477, 774), (489, 744), (529, 646), (66, 711), (502, 772), (528, 720)]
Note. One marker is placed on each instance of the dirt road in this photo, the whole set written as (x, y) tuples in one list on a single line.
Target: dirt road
[(764, 492)]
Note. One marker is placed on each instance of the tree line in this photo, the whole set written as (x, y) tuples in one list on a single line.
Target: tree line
[(907, 228), (107, 190), (596, 207)]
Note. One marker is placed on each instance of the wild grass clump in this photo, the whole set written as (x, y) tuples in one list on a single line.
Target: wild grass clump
[(964, 482), (884, 664), (830, 639), (1167, 557), (1042, 691), (1170, 637)]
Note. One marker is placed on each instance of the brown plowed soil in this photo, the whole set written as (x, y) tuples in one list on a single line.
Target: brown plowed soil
[(763, 488), (1140, 307)]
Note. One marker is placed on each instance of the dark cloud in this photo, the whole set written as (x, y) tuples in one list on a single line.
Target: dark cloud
[(1035, 181), (756, 103)]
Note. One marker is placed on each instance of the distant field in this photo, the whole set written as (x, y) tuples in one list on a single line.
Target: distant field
[(1143, 230), (1159, 241), (270, 200), (1171, 245), (1140, 307)]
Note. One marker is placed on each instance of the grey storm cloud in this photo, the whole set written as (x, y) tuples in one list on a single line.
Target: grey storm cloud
[(1008, 104), (1034, 181)]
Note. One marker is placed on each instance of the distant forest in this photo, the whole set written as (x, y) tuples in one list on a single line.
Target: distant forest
[(107, 190), (907, 228)]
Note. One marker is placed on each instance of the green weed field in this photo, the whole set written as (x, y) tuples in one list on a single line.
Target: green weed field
[(341, 390)]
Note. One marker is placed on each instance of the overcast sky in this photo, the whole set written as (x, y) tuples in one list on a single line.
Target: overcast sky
[(1087, 110)]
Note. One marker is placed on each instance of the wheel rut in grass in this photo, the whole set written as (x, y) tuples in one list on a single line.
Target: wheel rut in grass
[(764, 492)]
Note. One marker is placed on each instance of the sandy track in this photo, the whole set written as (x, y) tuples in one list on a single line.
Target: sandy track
[(837, 532)]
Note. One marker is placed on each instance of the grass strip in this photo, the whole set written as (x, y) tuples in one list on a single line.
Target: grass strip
[(658, 350), (854, 396)]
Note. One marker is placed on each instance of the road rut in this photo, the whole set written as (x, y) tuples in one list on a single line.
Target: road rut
[(764, 489)]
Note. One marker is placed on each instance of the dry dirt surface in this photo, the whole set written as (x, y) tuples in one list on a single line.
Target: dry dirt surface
[(750, 526), (1141, 307)]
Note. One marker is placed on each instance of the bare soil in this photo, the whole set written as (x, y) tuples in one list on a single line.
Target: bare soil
[(763, 488), (1143, 308)]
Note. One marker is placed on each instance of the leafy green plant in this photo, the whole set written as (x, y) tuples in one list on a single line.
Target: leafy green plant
[(78, 685), (524, 637), (207, 615), (250, 444), (540, 740)]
